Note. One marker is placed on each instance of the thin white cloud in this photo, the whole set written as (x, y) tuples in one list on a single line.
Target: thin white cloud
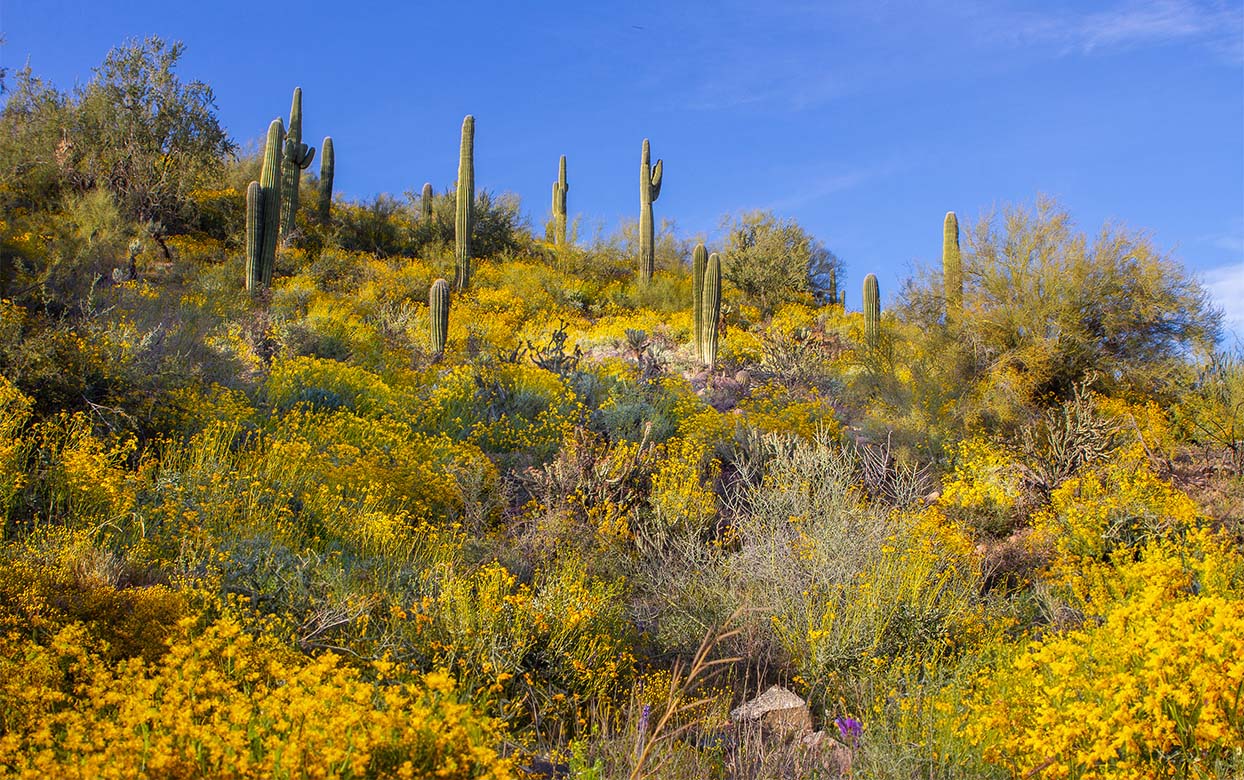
[(1226, 286), (1130, 24)]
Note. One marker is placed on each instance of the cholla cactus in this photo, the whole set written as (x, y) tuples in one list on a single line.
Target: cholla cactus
[(560, 187), (438, 303), (466, 205), (297, 158), (649, 191)]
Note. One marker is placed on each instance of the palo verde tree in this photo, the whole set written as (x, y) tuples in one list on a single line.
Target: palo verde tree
[(138, 131), (771, 260)]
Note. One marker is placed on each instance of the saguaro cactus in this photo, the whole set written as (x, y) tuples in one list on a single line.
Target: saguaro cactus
[(560, 187), (649, 191), (466, 205), (872, 310), (438, 303), (699, 264), (327, 166), (952, 268), (254, 235), (298, 158), (832, 292), (710, 305), (425, 204), (263, 212)]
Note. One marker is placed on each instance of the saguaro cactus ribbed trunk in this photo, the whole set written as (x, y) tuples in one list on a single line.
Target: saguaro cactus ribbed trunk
[(438, 303), (952, 268), (466, 205), (872, 310), (699, 264), (711, 304), (649, 191), (425, 202), (560, 187), (298, 158), (263, 212), (328, 162)]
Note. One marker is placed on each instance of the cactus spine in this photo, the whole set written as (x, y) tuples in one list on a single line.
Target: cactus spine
[(649, 191), (952, 268), (559, 203), (426, 203), (263, 212), (872, 310), (438, 302), (298, 158), (327, 167), (699, 265), (711, 309), (466, 205)]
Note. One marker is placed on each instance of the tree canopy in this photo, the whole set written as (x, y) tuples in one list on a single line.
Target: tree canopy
[(772, 260)]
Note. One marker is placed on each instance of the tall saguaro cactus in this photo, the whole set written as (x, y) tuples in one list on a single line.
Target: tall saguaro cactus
[(298, 158), (649, 191), (425, 204), (466, 205), (328, 164), (710, 304), (872, 310), (438, 303), (560, 187), (699, 265), (832, 292), (952, 268), (263, 212)]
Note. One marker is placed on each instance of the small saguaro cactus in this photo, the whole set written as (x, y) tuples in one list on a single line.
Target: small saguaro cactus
[(872, 310), (425, 203), (466, 205), (327, 167), (952, 268), (711, 307), (649, 191), (832, 292), (438, 303), (263, 212), (560, 187), (298, 158), (699, 264)]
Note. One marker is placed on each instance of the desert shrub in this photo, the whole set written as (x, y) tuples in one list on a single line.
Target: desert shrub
[(504, 409), (329, 384), (1152, 688), (223, 702), (772, 261)]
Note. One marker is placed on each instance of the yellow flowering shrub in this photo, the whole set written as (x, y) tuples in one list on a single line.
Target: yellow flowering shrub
[(1152, 688), (14, 413), (1116, 506), (331, 384), (87, 479), (556, 644), (222, 703), (775, 409)]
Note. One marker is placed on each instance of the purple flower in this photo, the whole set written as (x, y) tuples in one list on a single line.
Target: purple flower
[(643, 719), (850, 729)]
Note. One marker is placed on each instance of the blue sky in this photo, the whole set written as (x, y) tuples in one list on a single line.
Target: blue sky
[(865, 121)]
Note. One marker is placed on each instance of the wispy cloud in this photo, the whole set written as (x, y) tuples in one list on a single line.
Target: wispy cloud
[(1126, 25), (1226, 285)]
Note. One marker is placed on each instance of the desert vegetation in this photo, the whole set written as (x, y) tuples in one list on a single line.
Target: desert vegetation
[(293, 486)]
